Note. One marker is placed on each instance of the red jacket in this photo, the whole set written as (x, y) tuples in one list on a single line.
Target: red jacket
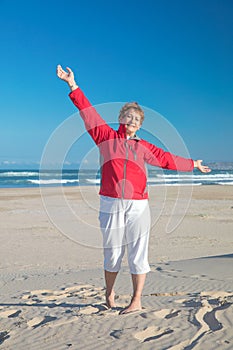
[(123, 171)]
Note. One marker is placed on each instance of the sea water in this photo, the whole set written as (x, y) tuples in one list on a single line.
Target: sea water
[(88, 177)]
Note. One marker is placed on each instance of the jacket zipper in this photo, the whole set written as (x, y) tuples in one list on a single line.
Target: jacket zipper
[(134, 153), (125, 165)]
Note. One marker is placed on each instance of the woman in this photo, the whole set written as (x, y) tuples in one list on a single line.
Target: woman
[(124, 211)]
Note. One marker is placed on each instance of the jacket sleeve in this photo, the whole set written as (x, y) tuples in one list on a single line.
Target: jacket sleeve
[(158, 157), (94, 124)]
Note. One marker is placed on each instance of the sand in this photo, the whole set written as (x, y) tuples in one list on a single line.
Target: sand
[(52, 286)]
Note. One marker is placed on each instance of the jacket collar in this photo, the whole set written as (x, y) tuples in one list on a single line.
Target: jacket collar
[(122, 132)]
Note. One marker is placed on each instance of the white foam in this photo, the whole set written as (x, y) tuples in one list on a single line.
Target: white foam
[(192, 176), (225, 183), (93, 181), (52, 181), (19, 173), (177, 184), (205, 178), (176, 179)]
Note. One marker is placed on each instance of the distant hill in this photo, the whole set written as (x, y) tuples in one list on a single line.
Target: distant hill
[(221, 165)]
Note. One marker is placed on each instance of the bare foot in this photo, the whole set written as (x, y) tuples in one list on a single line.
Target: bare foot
[(110, 300), (134, 306)]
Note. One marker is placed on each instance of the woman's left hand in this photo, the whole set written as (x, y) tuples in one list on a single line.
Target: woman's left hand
[(202, 168)]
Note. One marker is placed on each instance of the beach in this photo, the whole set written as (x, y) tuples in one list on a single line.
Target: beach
[(52, 285)]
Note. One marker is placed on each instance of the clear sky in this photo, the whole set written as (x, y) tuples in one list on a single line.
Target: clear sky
[(173, 56)]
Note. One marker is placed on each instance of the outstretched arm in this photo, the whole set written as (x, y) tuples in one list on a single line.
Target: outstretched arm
[(158, 157), (202, 168), (68, 77), (95, 125)]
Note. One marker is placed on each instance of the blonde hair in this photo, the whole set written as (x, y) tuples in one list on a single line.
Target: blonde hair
[(130, 105)]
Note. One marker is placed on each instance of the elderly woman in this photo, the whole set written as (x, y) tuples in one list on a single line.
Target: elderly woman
[(124, 212)]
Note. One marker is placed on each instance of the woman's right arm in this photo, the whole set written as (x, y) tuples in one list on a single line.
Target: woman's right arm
[(95, 125)]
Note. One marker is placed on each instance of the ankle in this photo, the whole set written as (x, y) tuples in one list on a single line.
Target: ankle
[(136, 302), (109, 293), (110, 299)]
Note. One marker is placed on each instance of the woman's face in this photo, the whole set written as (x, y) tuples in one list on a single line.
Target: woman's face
[(132, 121)]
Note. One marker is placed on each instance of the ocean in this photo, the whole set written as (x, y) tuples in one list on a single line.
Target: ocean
[(156, 177)]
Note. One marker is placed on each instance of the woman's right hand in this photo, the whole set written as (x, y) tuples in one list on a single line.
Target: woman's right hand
[(68, 77)]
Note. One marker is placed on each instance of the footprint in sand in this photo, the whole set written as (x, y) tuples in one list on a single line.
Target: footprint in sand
[(35, 321), (152, 333), (122, 333), (217, 295), (88, 310), (81, 291), (10, 313), (40, 321), (162, 314), (3, 336), (78, 288), (166, 313)]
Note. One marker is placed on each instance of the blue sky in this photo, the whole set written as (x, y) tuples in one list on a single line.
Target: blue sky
[(175, 57)]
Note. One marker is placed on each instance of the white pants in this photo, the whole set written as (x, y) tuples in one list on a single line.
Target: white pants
[(124, 223)]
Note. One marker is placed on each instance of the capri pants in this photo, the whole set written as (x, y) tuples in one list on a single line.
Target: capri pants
[(125, 223)]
